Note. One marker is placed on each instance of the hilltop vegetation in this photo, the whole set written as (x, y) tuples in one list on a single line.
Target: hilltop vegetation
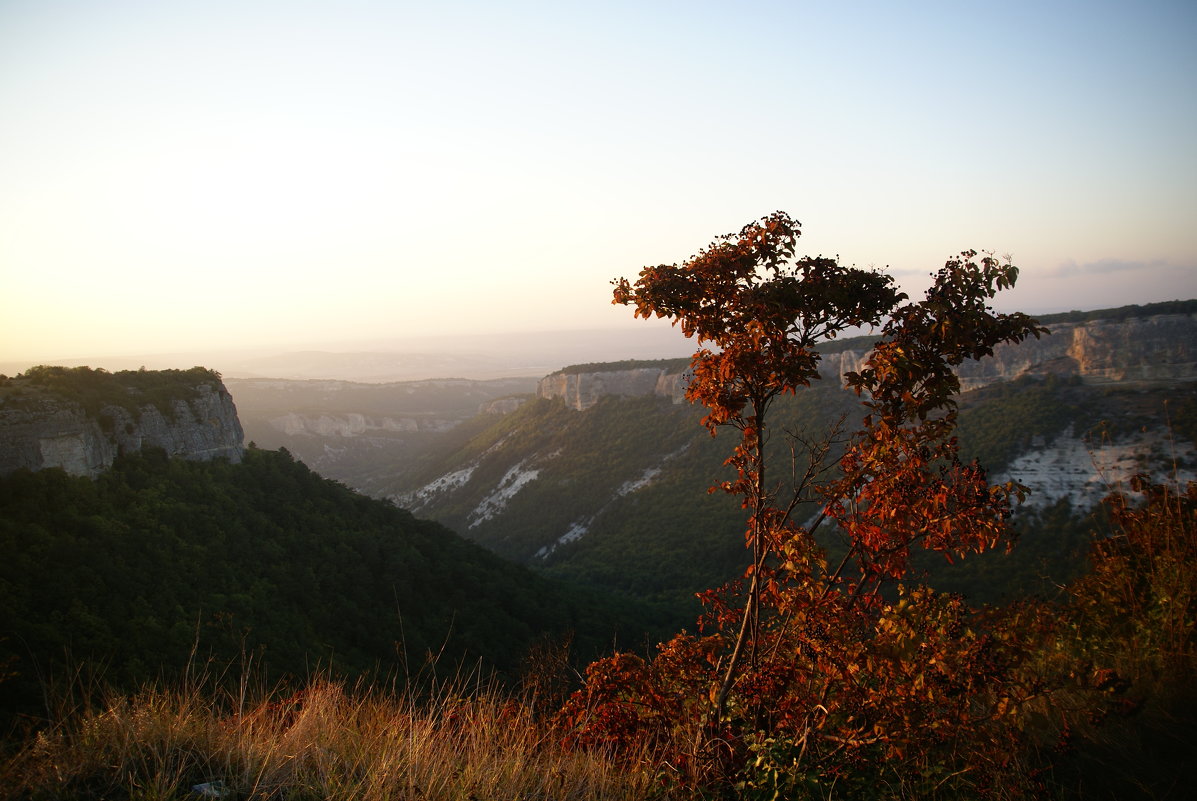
[(668, 365), (93, 389), (1123, 312)]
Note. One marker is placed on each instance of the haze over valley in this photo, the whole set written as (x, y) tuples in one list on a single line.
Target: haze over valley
[(354, 179)]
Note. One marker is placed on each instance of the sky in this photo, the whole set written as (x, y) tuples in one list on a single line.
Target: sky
[(181, 176)]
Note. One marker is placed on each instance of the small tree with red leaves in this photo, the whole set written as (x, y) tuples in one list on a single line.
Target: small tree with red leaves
[(810, 672)]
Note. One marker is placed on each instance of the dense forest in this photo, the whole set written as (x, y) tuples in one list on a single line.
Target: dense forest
[(163, 563)]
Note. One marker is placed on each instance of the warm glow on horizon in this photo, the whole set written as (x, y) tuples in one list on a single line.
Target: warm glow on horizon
[(266, 175)]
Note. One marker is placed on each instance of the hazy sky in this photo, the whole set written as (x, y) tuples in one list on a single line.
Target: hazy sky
[(186, 175)]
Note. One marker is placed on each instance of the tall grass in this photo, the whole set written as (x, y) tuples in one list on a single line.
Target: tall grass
[(327, 741)]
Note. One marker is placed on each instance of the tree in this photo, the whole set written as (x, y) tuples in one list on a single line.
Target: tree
[(817, 656), (765, 317)]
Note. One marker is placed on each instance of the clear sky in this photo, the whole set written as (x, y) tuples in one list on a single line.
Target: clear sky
[(191, 175)]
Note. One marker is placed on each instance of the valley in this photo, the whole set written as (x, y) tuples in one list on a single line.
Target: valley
[(601, 478), (586, 496)]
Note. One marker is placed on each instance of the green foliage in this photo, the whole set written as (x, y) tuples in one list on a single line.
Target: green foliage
[(1118, 715), (1049, 550), (618, 469), (94, 389), (670, 366), (1183, 417), (161, 558), (1123, 312), (1001, 421), (1137, 605)]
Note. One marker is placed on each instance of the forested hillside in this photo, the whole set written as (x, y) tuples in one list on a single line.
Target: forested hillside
[(160, 562), (615, 496)]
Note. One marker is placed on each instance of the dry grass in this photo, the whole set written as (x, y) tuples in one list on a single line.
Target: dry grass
[(324, 742)]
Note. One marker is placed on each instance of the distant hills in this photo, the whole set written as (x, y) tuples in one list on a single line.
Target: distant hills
[(366, 435), (602, 479), (416, 358)]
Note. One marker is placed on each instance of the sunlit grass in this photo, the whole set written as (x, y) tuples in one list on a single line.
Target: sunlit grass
[(328, 741)]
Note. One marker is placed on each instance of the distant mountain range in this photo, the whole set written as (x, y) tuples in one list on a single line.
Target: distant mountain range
[(498, 355)]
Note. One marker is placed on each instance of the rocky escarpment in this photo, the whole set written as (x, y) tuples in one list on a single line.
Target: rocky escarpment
[(354, 425), (42, 426), (1086, 469), (581, 390), (1156, 348)]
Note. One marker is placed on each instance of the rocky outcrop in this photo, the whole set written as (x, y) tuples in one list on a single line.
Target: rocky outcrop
[(49, 431), (502, 405), (1084, 470), (1158, 348), (352, 424), (581, 390)]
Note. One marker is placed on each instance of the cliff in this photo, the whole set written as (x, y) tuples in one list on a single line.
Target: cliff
[(581, 390), (1150, 349), (81, 419), (1157, 348), (352, 424)]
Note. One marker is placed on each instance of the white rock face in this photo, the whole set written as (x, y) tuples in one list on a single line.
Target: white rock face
[(349, 424), (1162, 347), (576, 530), (582, 390), (501, 406), (440, 486), (1158, 348), (53, 432), (512, 482), (1085, 472), (68, 451)]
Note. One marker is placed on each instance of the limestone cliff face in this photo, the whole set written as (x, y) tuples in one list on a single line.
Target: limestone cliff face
[(352, 424), (501, 406), (582, 390), (50, 431), (1158, 348)]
